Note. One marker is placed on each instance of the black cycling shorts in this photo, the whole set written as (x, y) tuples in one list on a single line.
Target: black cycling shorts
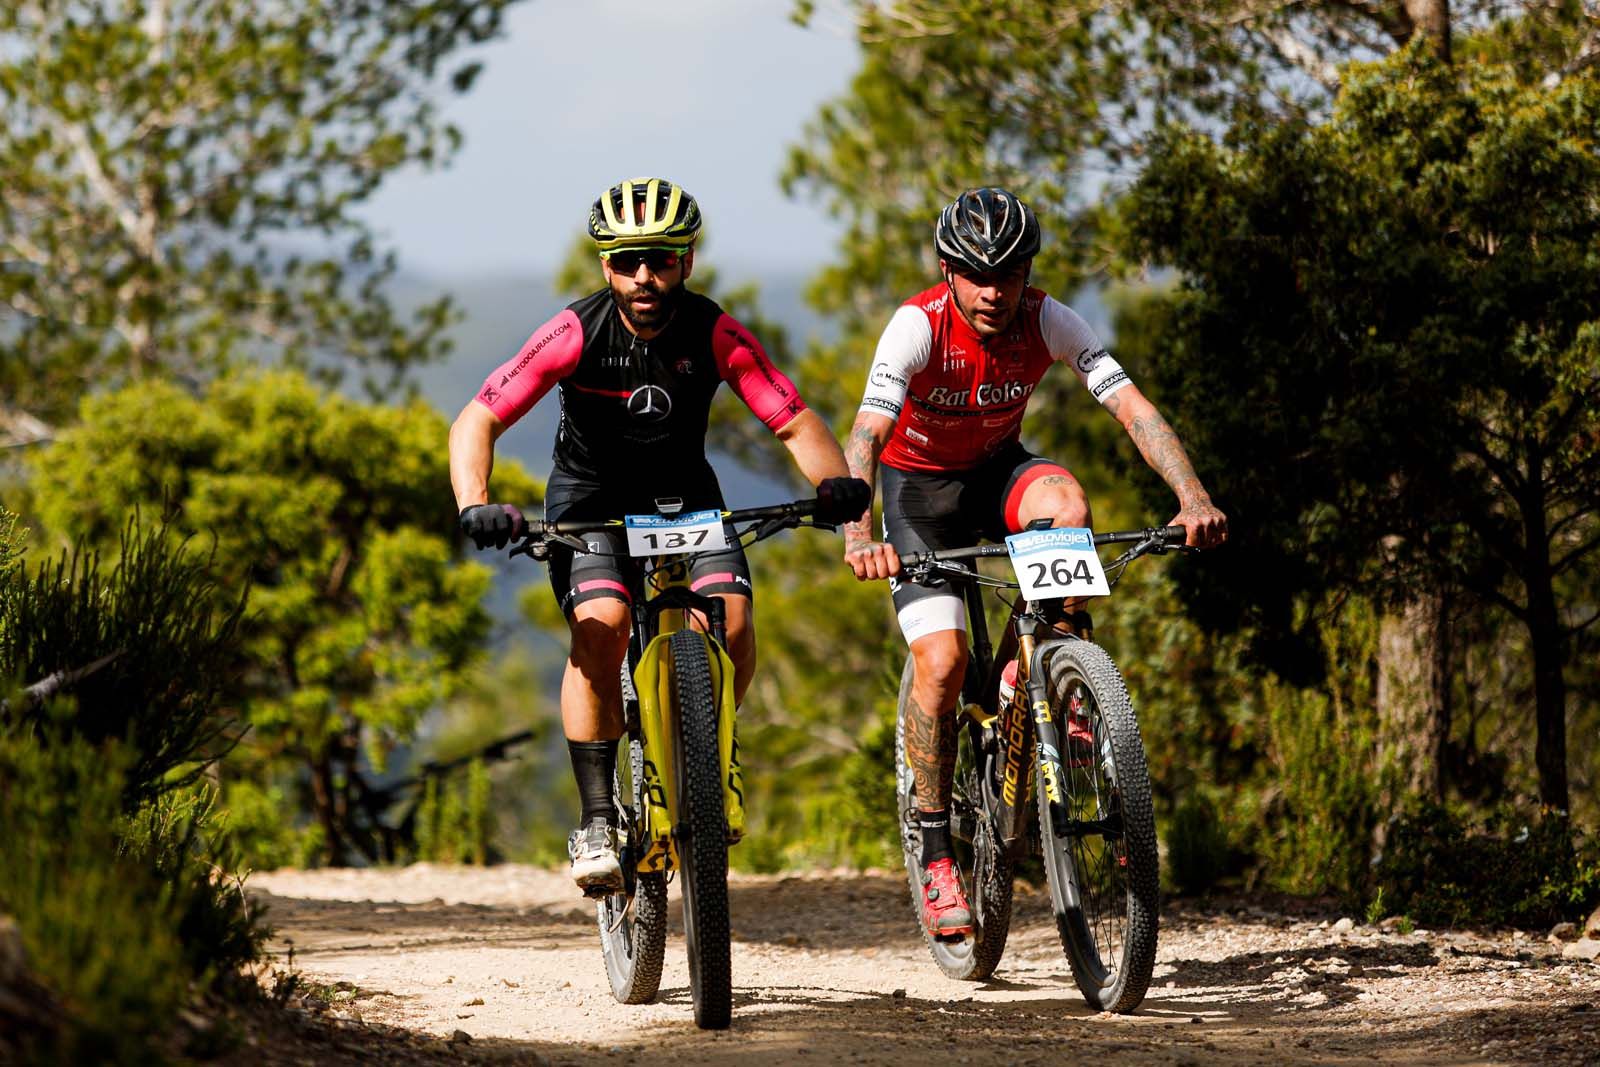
[(607, 570), (923, 510)]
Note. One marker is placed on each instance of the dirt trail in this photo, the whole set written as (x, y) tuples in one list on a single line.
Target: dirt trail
[(828, 969)]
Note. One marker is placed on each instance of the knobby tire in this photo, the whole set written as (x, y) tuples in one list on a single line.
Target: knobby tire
[(702, 831), (1104, 888), (634, 942)]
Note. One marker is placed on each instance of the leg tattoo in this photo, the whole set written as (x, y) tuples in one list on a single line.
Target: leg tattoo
[(931, 754)]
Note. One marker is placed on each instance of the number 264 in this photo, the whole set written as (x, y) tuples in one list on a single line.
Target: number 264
[(1061, 572)]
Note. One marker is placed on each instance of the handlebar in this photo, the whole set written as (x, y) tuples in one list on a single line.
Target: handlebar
[(1158, 538), (539, 532)]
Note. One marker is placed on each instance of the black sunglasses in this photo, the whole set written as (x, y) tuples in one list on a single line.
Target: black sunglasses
[(658, 260)]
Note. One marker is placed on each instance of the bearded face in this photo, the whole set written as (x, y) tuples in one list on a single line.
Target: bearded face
[(649, 294)]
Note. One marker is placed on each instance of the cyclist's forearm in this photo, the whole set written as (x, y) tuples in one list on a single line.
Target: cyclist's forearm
[(867, 438), (811, 443), (472, 438), (1158, 443)]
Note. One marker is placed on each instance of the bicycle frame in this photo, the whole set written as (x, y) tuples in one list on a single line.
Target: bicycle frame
[(1023, 748)]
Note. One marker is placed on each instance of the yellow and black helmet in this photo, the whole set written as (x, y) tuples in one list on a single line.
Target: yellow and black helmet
[(644, 213)]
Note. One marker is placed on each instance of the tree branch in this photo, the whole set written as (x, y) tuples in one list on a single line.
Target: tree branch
[(99, 181), (47, 687), (1303, 57), (19, 429), (1560, 565)]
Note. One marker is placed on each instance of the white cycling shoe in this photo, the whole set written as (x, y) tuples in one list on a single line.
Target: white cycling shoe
[(595, 863)]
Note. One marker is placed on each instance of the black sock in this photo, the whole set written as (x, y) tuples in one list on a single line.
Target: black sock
[(594, 764), (935, 827)]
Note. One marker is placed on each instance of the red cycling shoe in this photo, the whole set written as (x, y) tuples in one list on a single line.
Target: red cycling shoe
[(945, 914)]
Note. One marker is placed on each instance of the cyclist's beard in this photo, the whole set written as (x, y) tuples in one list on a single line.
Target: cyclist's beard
[(625, 294)]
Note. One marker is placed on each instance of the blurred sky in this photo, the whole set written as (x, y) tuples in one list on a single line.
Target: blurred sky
[(578, 95)]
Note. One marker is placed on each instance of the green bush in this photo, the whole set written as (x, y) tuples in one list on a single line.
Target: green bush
[(453, 818), (1197, 849), (120, 916), (144, 646), (115, 859), (1434, 861)]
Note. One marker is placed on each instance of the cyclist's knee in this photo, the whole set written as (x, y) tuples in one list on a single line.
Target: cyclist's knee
[(600, 635), (941, 658)]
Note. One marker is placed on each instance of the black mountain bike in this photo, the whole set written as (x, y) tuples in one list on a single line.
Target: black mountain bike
[(679, 788), (1069, 737)]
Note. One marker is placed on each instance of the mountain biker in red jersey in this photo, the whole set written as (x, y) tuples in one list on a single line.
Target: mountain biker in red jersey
[(942, 414), (636, 363)]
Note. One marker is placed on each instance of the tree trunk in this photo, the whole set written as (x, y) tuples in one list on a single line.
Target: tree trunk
[(1549, 653), (325, 796), (1431, 18), (1413, 699)]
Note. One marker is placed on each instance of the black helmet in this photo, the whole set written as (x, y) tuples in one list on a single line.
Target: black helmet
[(644, 213), (986, 229)]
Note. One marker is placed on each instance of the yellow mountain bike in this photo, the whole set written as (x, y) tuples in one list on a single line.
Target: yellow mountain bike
[(679, 787)]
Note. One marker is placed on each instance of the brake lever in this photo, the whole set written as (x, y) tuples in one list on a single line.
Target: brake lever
[(536, 549)]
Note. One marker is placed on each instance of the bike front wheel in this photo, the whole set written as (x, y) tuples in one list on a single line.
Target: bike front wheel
[(1100, 836), (702, 833), (633, 923), (985, 871)]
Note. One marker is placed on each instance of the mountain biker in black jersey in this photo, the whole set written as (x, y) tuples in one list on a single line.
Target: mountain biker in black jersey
[(942, 412), (636, 363)]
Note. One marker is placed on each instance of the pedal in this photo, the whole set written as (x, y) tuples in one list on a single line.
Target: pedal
[(950, 939), (598, 892), (976, 713)]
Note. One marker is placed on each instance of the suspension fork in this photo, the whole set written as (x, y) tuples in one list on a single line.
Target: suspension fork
[(1052, 773)]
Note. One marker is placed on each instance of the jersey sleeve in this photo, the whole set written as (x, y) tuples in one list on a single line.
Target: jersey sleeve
[(544, 359), (903, 350), (1073, 341), (753, 377)]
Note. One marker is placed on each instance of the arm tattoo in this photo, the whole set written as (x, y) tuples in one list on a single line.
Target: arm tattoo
[(861, 453), (1159, 445), (930, 753)]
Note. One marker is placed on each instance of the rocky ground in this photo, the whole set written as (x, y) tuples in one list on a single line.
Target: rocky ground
[(502, 965)]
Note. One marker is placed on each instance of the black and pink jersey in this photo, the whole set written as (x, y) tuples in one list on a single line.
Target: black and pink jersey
[(631, 407), (958, 399)]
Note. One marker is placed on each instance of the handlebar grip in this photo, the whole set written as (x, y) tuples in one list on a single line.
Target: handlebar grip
[(1178, 534)]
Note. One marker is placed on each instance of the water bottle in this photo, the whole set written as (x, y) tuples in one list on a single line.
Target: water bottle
[(1008, 684)]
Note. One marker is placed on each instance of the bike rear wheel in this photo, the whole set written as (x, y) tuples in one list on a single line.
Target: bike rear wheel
[(633, 923), (702, 833), (1100, 858), (985, 870)]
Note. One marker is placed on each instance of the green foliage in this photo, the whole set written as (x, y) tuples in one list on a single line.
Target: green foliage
[(143, 226), (1365, 426), (1322, 793), (336, 517), (817, 727), (531, 799), (453, 818), (1432, 868), (1196, 847), (117, 861), (121, 916), (145, 650)]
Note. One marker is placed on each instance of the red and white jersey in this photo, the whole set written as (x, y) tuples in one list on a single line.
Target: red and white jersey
[(958, 399)]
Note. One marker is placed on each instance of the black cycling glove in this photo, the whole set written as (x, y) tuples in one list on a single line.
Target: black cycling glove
[(842, 500), (492, 524)]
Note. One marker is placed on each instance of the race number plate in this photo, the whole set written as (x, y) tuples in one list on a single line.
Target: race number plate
[(660, 535), (1057, 563)]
